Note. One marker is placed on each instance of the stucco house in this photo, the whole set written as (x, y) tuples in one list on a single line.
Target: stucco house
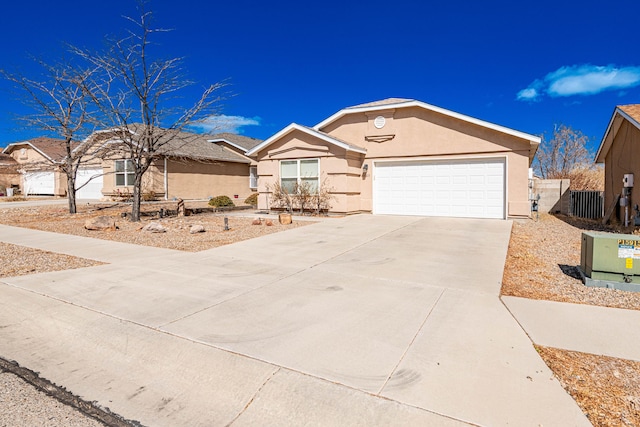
[(9, 176), (620, 154), (188, 166), (403, 157), (38, 161)]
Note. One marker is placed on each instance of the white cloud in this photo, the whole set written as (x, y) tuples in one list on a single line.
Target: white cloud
[(223, 123), (581, 80)]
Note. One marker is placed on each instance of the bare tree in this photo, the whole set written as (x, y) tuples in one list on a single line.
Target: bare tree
[(61, 108), (135, 97), (566, 156), (564, 153)]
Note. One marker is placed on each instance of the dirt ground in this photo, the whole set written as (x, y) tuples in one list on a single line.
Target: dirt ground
[(542, 263), (177, 236)]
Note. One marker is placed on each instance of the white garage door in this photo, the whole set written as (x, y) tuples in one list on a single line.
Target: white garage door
[(41, 183), (93, 180), (453, 188)]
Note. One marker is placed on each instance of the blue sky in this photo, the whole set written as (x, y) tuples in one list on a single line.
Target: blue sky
[(524, 65)]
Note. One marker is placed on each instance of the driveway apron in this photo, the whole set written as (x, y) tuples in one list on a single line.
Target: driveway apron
[(356, 321)]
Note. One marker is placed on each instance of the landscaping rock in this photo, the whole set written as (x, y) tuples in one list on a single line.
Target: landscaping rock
[(100, 223), (256, 221), (154, 227), (196, 228), (268, 223), (285, 218)]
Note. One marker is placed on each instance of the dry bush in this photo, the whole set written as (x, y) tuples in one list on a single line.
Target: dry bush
[(587, 178)]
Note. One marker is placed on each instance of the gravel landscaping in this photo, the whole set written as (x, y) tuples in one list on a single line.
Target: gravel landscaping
[(177, 236), (542, 263)]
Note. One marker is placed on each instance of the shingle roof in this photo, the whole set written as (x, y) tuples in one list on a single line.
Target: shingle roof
[(53, 149), (191, 146), (633, 110), (243, 141), (382, 102)]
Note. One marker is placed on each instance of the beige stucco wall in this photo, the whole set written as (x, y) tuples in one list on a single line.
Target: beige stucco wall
[(187, 179), (193, 180), (408, 134), (623, 157), (339, 170)]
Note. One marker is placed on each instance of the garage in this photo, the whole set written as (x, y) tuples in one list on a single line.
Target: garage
[(40, 183), (467, 188), (89, 183)]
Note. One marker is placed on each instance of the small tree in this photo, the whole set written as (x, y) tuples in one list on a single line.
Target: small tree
[(566, 156), (61, 105), (134, 98)]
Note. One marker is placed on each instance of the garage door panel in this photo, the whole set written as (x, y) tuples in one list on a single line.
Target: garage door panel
[(40, 183), (89, 183), (462, 188)]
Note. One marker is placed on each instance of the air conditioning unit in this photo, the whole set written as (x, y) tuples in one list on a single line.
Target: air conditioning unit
[(610, 260)]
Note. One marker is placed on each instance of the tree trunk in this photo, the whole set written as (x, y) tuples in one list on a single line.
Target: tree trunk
[(137, 196), (71, 194)]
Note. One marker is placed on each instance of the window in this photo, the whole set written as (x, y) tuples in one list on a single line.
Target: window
[(253, 177), (124, 172), (299, 172)]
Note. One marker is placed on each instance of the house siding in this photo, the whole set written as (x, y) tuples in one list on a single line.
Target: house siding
[(623, 157)]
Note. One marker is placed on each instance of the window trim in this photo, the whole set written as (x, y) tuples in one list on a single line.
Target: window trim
[(298, 177), (126, 172), (253, 177)]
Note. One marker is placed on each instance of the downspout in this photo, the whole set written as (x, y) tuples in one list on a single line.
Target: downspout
[(166, 180)]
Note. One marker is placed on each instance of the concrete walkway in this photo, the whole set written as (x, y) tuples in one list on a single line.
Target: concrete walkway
[(579, 327), (364, 320)]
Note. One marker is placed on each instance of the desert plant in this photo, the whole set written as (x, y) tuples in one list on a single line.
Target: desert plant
[(322, 199), (281, 197), (252, 200), (148, 196), (221, 201)]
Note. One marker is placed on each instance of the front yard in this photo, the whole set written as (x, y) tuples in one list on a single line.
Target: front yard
[(542, 263)]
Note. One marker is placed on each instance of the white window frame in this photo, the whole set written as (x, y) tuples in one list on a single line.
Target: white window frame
[(298, 177), (127, 173), (253, 177)]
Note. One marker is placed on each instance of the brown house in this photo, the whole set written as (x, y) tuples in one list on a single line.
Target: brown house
[(620, 152), (189, 166), (403, 157), (38, 162)]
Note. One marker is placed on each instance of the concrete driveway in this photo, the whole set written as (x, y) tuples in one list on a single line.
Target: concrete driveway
[(364, 320)]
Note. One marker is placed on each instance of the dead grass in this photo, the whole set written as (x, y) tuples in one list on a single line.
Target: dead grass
[(607, 389)]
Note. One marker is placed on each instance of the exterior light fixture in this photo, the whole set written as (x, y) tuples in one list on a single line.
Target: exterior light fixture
[(365, 168)]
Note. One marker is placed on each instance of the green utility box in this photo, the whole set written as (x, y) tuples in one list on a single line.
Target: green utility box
[(610, 257)]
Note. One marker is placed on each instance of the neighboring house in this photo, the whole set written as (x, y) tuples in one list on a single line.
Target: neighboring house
[(240, 144), (188, 166), (620, 152), (403, 157), (38, 162), (9, 176)]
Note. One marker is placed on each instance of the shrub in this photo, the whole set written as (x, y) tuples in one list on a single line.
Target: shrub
[(221, 201), (148, 196), (252, 200)]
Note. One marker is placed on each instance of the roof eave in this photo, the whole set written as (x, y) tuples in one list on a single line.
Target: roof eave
[(309, 131), (605, 143), (46, 156), (502, 129), (216, 140)]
